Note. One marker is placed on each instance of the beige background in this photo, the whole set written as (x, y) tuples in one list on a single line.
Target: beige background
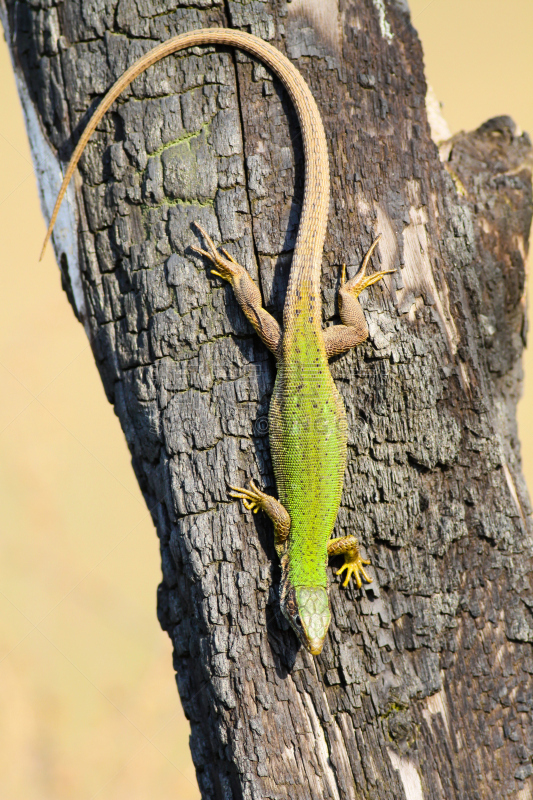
[(88, 705)]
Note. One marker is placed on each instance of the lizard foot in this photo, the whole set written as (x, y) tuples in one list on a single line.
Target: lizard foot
[(354, 563), (226, 267), (246, 292), (361, 281), (253, 499)]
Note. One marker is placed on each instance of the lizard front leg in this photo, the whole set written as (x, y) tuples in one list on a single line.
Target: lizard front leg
[(354, 563), (247, 294), (254, 499), (354, 330)]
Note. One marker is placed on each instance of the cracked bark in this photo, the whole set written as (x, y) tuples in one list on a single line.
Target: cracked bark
[(425, 688)]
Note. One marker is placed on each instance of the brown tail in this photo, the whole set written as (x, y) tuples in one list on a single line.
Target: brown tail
[(314, 213)]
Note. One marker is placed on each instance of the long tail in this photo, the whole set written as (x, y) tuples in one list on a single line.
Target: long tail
[(307, 257)]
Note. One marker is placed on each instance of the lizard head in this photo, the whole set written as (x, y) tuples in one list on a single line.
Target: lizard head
[(307, 610)]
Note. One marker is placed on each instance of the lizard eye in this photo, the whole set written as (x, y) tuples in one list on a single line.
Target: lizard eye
[(297, 621)]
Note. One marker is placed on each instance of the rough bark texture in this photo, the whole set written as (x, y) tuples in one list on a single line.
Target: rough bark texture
[(425, 686)]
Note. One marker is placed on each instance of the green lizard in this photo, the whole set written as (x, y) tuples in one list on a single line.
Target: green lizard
[(307, 418)]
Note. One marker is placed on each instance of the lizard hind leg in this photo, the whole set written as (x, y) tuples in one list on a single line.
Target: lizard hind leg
[(354, 563), (354, 330), (254, 500), (246, 292)]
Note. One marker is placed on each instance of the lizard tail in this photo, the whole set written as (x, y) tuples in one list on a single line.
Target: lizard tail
[(314, 213)]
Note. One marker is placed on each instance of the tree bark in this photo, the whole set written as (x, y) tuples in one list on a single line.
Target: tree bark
[(424, 689)]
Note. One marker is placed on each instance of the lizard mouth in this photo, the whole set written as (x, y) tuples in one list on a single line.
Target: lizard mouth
[(315, 646)]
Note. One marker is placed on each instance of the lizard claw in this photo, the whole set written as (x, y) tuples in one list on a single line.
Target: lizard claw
[(361, 281), (227, 268), (354, 566), (228, 255), (200, 251), (252, 499), (210, 242)]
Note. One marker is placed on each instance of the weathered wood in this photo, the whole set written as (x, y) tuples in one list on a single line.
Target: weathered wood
[(424, 689)]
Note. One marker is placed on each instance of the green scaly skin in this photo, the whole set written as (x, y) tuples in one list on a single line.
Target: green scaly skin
[(307, 418), (308, 446)]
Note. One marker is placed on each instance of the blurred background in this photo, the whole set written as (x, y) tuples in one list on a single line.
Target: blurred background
[(88, 703)]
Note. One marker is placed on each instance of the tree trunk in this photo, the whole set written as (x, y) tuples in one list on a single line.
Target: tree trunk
[(424, 689)]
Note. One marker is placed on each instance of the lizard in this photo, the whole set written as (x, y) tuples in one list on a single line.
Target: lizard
[(307, 419)]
